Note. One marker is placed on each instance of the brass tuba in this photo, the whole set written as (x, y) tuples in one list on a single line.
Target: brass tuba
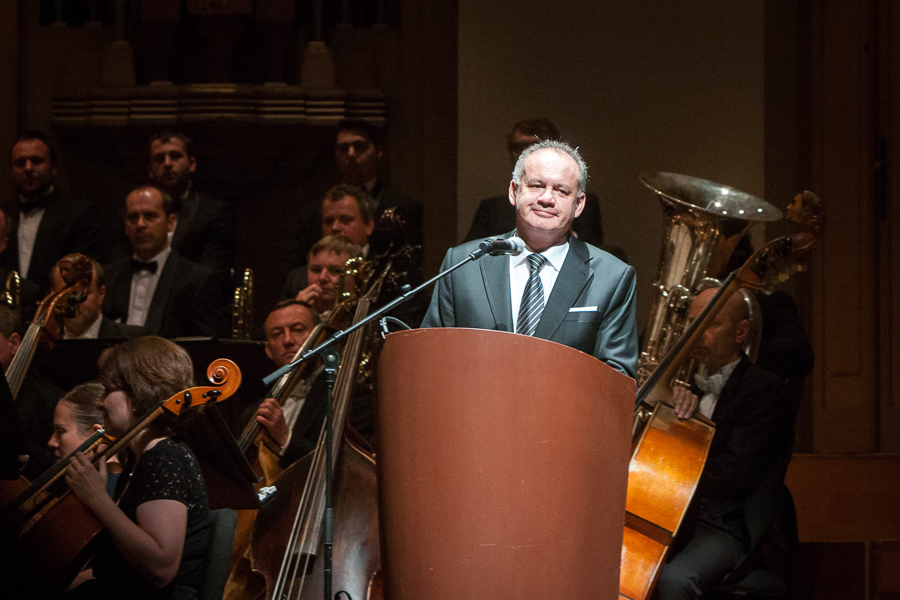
[(704, 223)]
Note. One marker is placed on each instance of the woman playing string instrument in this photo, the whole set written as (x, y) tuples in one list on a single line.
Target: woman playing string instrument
[(157, 534)]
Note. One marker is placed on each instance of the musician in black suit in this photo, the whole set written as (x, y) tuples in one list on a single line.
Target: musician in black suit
[(89, 322), (587, 297), (45, 225), (205, 227), (294, 428), (358, 153), (495, 215), (156, 288), (753, 437)]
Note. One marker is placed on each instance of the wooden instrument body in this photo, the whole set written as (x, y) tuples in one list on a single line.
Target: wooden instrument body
[(356, 550), (665, 468)]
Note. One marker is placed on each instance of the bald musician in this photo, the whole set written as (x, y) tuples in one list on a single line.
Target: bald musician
[(754, 431)]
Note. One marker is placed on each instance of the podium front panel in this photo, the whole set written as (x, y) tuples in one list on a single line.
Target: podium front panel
[(503, 462)]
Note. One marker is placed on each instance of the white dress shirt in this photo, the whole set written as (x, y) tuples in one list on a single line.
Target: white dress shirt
[(519, 273), (713, 386), (91, 333), (143, 286)]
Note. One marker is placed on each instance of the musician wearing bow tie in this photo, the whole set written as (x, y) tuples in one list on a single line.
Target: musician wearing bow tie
[(45, 224), (560, 289), (156, 288), (753, 437)]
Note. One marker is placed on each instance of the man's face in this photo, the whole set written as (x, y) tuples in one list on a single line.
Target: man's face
[(357, 158), (343, 217), (32, 170), (547, 201), (325, 269), (8, 347), (170, 167), (86, 312), (518, 143), (146, 223), (721, 341), (286, 330)]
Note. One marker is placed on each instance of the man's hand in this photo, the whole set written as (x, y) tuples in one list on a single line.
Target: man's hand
[(270, 416), (310, 294), (685, 402)]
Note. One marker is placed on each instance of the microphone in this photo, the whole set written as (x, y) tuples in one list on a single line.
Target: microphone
[(513, 245)]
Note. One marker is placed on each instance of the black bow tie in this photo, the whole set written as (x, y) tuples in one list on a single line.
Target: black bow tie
[(137, 266)]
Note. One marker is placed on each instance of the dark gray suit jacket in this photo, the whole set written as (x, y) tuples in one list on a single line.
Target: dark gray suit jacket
[(477, 295)]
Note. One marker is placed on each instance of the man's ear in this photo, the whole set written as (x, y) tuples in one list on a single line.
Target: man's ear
[(101, 293), (170, 222), (741, 332), (512, 192), (192, 164), (14, 340), (579, 206)]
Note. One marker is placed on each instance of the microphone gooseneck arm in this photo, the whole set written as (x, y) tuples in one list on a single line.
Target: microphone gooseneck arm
[(510, 246)]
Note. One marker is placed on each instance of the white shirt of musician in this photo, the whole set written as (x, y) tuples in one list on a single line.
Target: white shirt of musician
[(519, 274), (143, 286), (91, 333), (716, 385), (294, 404)]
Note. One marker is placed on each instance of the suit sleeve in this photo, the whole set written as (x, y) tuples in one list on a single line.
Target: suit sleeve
[(756, 443), (442, 312), (220, 249), (616, 343), (209, 318)]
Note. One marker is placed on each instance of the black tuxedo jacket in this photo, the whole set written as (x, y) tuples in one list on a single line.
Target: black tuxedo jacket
[(603, 287), (187, 300), (754, 434), (68, 225), (206, 232), (496, 215)]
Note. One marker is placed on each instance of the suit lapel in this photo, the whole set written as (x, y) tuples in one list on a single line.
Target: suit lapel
[(574, 275), (118, 291), (45, 236), (495, 273), (161, 294)]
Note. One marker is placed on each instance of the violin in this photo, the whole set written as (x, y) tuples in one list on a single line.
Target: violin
[(44, 551)]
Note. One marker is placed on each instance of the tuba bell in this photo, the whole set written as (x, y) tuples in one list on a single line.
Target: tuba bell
[(704, 221)]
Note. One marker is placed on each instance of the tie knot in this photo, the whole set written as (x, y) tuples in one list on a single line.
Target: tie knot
[(137, 266), (536, 261)]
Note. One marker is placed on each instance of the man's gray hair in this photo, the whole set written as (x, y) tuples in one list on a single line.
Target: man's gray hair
[(560, 147)]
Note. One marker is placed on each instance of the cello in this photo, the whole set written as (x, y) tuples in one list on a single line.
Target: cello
[(670, 453), (44, 554)]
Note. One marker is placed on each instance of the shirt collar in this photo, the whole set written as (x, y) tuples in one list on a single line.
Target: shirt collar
[(160, 258), (555, 255)]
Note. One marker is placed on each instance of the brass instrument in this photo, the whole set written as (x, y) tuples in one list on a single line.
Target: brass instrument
[(242, 308), (11, 294), (704, 223)]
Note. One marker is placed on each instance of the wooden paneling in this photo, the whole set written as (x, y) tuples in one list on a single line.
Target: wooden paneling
[(846, 498), (842, 103)]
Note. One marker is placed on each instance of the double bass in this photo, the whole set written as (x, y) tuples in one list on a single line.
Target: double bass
[(670, 453), (287, 546)]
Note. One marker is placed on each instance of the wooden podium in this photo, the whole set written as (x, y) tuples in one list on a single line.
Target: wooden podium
[(503, 462)]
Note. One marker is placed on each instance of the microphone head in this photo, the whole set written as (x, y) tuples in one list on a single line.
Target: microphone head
[(517, 244)]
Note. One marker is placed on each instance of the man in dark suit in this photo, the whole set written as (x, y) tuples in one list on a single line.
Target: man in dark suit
[(89, 322), (495, 215), (205, 229), (358, 153), (156, 288), (754, 431), (45, 225), (572, 292), (294, 428)]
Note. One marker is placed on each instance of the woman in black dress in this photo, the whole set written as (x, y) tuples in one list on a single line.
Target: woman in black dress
[(156, 537)]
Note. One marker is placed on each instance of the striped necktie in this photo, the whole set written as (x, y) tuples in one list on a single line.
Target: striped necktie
[(533, 298)]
